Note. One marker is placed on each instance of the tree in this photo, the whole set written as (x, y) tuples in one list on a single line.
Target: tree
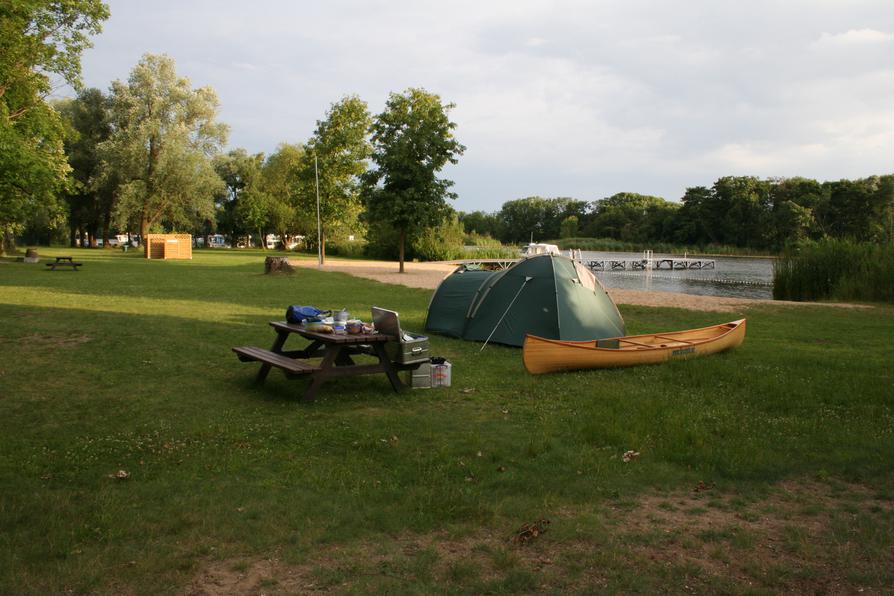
[(38, 38), (479, 222), (522, 220), (569, 227), (743, 208), (627, 216), (696, 219), (412, 141), (90, 200), (794, 204), (536, 217), (252, 212), (277, 180), (239, 172), (861, 209), (164, 135), (337, 153)]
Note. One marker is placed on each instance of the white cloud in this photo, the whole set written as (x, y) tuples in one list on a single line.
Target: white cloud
[(854, 37), (554, 97)]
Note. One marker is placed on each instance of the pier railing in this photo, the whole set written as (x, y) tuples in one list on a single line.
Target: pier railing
[(649, 264)]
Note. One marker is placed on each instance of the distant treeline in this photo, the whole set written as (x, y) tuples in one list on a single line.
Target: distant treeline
[(741, 211)]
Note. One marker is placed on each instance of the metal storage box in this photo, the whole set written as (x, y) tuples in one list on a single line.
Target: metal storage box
[(412, 347), (419, 378)]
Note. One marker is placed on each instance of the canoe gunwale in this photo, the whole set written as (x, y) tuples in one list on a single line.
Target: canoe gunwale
[(591, 344)]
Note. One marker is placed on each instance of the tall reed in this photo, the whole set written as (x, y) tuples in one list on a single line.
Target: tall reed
[(836, 270)]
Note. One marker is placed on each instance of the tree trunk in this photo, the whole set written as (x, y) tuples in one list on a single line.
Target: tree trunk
[(403, 239), (322, 247), (106, 224), (278, 265), (73, 236), (7, 243), (283, 240), (144, 229)]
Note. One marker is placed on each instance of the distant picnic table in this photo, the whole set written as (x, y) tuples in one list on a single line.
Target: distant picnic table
[(64, 262), (336, 352)]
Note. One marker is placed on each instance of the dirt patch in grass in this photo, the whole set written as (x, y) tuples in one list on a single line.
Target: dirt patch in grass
[(804, 537), (52, 341)]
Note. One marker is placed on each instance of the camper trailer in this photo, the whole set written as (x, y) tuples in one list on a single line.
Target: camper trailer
[(217, 241)]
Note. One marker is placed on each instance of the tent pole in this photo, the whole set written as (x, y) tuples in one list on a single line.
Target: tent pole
[(505, 312)]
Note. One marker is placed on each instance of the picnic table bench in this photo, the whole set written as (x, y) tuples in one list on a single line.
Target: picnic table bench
[(335, 350), (64, 262)]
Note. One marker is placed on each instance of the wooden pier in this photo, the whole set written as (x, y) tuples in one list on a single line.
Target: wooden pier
[(647, 264)]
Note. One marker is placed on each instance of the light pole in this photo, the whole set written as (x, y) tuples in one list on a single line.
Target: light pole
[(319, 233)]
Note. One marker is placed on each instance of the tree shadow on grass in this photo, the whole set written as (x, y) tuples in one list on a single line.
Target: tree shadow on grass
[(240, 285)]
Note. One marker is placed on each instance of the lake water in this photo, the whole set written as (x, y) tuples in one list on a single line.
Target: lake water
[(739, 277)]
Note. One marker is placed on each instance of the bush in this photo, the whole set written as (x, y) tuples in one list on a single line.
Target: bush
[(836, 270), (345, 248), (442, 243), (485, 241)]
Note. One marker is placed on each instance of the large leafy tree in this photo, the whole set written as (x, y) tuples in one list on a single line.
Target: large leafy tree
[(277, 180), (861, 209), (164, 136), (745, 204), (240, 171), (412, 141), (536, 217), (525, 219), (629, 216), (38, 39), (337, 152), (480, 222), (90, 202)]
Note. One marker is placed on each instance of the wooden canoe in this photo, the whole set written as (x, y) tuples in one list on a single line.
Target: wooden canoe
[(542, 355)]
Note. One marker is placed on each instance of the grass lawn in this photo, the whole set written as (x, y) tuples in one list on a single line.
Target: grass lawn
[(767, 468)]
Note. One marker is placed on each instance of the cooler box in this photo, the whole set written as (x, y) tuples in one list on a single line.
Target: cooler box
[(412, 347)]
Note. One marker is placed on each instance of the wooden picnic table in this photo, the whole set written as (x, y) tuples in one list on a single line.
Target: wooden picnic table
[(64, 262), (335, 350)]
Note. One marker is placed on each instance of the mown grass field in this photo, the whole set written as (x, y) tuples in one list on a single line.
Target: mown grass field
[(767, 468)]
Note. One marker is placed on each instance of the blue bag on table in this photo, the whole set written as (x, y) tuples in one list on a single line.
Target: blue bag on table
[(298, 314)]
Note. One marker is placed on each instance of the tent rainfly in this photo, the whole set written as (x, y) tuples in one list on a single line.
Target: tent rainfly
[(547, 295)]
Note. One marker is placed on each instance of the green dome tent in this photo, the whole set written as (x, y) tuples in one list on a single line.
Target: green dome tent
[(546, 295)]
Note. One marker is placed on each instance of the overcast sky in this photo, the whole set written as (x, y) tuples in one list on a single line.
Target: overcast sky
[(580, 99)]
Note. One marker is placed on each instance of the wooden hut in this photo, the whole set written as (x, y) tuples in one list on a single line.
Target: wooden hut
[(168, 246)]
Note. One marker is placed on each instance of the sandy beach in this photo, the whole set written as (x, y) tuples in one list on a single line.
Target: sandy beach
[(429, 275)]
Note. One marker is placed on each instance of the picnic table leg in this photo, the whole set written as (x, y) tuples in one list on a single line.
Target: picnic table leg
[(319, 377), (386, 364), (277, 348)]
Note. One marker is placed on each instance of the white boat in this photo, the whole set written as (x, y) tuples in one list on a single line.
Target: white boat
[(540, 249)]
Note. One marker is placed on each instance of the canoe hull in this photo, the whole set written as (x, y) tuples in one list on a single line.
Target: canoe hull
[(542, 355)]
